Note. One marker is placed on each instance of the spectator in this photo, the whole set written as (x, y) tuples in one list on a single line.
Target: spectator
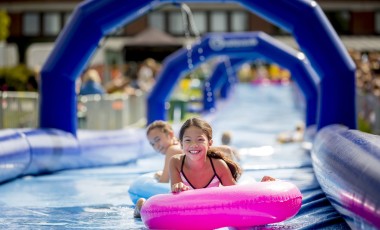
[(91, 83), (146, 74)]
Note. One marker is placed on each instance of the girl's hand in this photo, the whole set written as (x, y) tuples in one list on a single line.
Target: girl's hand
[(158, 175), (267, 178), (179, 187)]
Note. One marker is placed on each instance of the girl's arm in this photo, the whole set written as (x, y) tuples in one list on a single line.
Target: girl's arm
[(174, 174), (223, 172), (172, 151)]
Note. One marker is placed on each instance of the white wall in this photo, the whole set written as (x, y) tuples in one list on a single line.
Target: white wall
[(8, 54)]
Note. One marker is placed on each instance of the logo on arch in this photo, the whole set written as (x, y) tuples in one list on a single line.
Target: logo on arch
[(218, 43)]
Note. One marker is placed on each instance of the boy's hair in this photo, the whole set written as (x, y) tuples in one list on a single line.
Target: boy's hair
[(164, 126), (207, 130)]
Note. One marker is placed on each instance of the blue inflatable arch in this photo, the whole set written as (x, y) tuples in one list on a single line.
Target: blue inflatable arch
[(274, 51), (260, 45), (92, 20), (229, 76), (221, 78)]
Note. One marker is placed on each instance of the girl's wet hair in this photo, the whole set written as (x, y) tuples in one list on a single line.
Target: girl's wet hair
[(164, 126), (207, 130)]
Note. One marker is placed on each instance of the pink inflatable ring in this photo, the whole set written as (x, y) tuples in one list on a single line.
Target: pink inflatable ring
[(231, 206)]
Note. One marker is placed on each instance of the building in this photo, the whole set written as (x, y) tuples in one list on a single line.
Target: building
[(35, 24)]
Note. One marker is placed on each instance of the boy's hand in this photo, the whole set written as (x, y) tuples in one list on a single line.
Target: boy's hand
[(267, 178), (158, 175)]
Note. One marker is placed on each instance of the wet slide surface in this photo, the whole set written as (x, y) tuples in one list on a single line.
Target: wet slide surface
[(97, 198)]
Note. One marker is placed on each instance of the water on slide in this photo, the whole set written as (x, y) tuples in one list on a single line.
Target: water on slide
[(97, 198)]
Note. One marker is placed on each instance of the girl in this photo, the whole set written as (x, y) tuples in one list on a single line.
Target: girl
[(200, 166)]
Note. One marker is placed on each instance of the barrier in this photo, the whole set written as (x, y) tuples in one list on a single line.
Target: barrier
[(38, 151), (368, 106), (346, 163), (20, 110)]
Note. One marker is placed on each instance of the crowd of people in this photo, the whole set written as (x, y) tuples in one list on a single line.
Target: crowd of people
[(368, 71), (368, 88), (126, 79), (261, 72), (133, 77)]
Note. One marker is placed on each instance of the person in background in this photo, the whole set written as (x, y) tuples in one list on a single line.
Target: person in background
[(226, 140), (91, 83), (295, 136), (146, 74)]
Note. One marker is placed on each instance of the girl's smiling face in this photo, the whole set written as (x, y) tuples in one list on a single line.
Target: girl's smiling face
[(159, 140), (195, 143)]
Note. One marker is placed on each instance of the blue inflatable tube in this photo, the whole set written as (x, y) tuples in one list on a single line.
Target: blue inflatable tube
[(14, 154), (126, 145), (145, 186), (346, 163), (38, 151), (51, 150)]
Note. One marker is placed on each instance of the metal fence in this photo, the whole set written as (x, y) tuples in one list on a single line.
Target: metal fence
[(116, 111), (18, 109), (369, 109), (95, 112)]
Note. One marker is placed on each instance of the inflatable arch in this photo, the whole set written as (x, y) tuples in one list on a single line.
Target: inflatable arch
[(92, 20), (221, 78), (271, 50), (231, 77), (251, 45)]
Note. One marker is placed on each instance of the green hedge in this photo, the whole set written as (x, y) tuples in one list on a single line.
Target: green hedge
[(16, 78)]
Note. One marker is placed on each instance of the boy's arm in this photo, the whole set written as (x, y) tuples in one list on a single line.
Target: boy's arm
[(164, 178)]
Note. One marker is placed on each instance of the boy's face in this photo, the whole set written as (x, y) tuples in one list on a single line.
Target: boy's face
[(159, 140)]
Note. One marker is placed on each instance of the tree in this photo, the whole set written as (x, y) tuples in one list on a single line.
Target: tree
[(5, 22)]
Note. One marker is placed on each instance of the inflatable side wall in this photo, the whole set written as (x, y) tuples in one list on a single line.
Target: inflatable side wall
[(38, 151), (347, 163)]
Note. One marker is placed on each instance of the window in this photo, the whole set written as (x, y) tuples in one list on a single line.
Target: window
[(218, 21), (340, 20), (176, 23), (200, 19), (31, 24), (157, 20), (52, 24), (377, 22), (239, 21)]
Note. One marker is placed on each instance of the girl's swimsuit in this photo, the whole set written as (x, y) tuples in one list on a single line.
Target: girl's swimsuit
[(214, 182)]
